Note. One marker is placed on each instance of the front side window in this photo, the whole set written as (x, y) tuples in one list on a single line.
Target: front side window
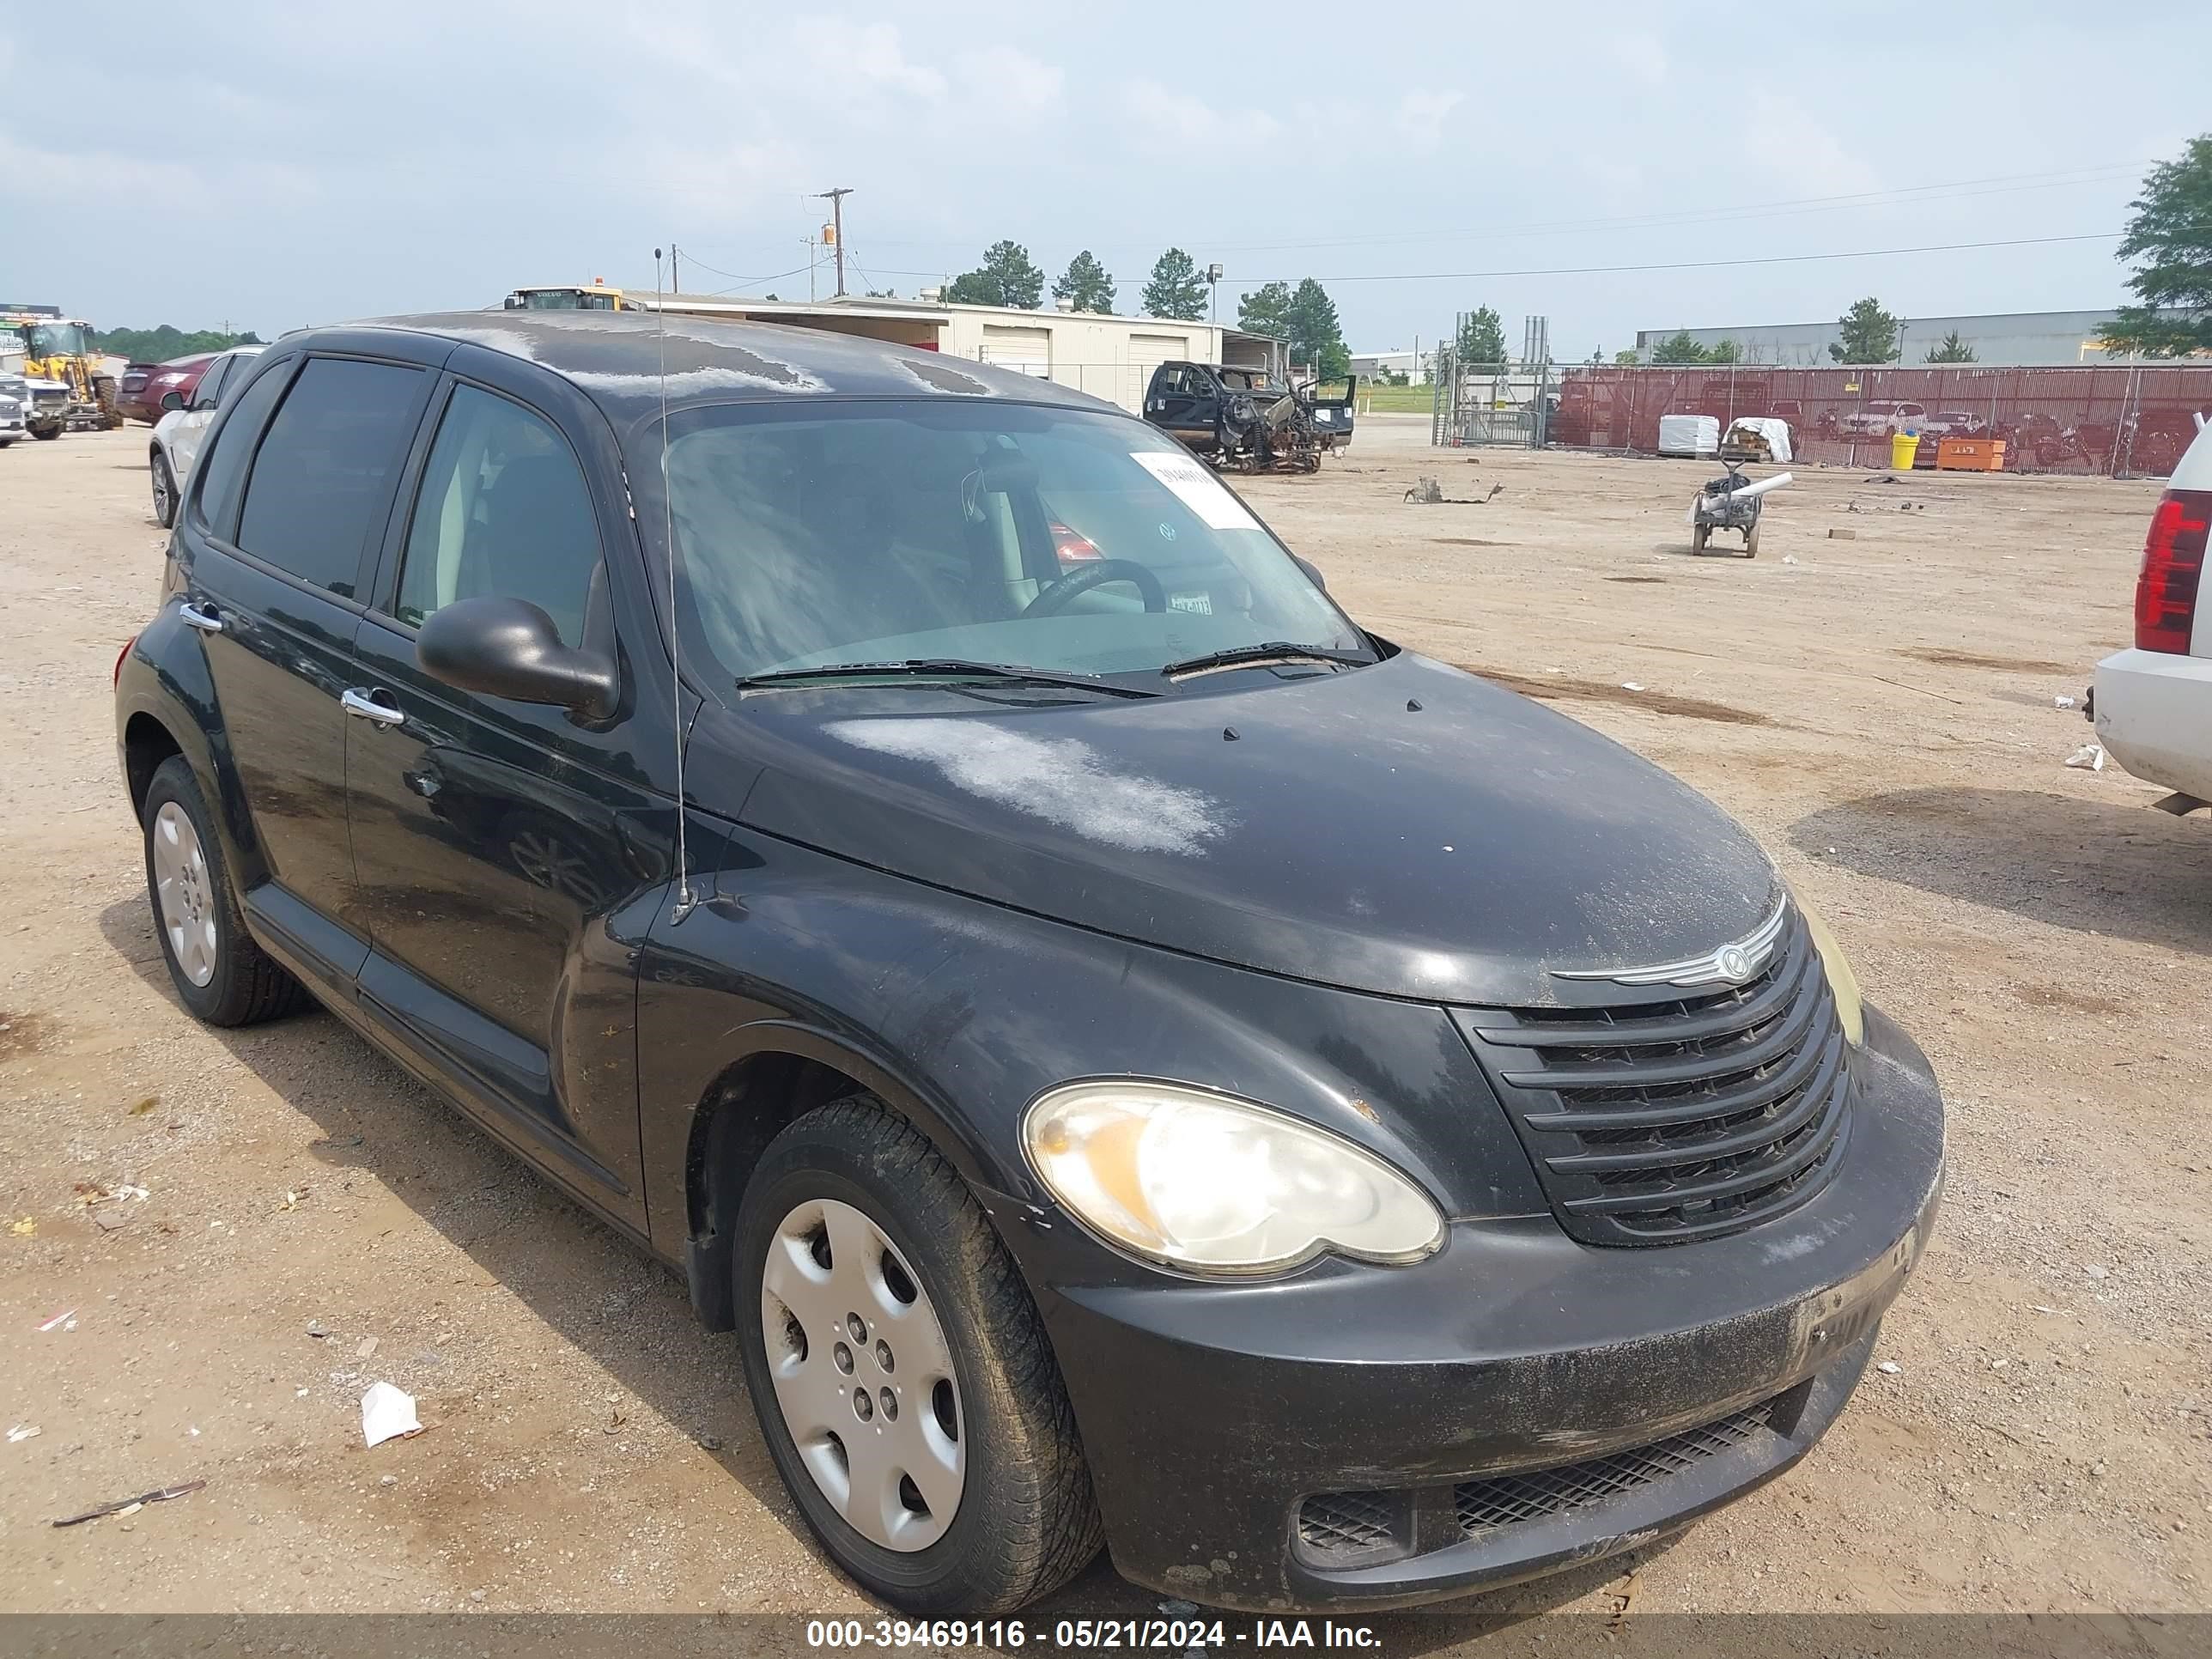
[(223, 469), (873, 532), (208, 394), (502, 510), (324, 473)]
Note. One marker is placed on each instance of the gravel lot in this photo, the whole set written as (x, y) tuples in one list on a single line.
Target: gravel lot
[(1878, 710)]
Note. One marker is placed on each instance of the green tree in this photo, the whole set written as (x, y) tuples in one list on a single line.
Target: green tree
[(156, 345), (1678, 348), (1869, 334), (1266, 310), (1178, 287), (1627, 358), (1004, 278), (1482, 338), (1953, 350), (1317, 336), (1089, 284), (1724, 351), (2172, 234)]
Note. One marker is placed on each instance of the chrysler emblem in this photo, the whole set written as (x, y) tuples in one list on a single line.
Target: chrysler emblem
[(1733, 963)]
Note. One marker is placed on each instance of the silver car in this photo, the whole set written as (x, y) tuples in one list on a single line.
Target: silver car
[(177, 434)]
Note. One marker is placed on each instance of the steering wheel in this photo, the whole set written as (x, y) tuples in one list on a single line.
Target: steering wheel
[(1096, 573)]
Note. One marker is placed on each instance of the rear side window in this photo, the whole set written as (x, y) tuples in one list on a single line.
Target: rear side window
[(223, 469), (322, 477), (209, 393)]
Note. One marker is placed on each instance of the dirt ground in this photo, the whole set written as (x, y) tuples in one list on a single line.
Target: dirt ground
[(1878, 710)]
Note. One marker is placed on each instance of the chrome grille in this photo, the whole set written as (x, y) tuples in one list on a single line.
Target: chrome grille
[(1658, 1121), (1483, 1506)]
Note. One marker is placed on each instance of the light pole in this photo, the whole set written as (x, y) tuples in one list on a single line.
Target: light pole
[(836, 200)]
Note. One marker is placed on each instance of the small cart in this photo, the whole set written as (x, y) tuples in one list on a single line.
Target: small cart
[(1731, 503)]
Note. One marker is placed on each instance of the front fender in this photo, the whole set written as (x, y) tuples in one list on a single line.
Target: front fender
[(958, 1013)]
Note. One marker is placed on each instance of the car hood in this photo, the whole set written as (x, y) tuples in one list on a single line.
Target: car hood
[(1404, 829)]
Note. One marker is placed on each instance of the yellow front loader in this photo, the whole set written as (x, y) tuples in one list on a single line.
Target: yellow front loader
[(63, 372)]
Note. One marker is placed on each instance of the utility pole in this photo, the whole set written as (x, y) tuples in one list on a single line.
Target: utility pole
[(675, 280), (1213, 281), (836, 200)]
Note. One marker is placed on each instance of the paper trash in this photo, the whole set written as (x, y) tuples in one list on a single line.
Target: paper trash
[(386, 1413)]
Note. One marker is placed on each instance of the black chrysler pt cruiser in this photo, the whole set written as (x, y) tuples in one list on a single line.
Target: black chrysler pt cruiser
[(1134, 1057)]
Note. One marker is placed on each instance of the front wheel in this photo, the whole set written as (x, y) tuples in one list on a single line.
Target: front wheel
[(902, 1377), (1751, 541), (165, 492), (45, 433)]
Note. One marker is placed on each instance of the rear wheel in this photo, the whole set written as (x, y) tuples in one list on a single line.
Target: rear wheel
[(1699, 534), (902, 1377), (1751, 541), (165, 491), (220, 974), (46, 434)]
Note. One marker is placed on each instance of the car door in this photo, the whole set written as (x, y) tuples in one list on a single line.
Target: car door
[(494, 840), (278, 538)]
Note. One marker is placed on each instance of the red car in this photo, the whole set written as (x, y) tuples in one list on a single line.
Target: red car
[(138, 394)]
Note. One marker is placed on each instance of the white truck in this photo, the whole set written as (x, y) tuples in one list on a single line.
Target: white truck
[(2152, 704)]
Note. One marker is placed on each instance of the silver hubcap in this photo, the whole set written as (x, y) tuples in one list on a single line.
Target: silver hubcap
[(185, 893), (863, 1376), (161, 491)]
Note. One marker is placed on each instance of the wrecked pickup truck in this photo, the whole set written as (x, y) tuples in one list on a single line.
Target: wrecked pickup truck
[(1243, 420)]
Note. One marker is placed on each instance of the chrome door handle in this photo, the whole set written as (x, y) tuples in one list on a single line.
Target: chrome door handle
[(206, 620), (361, 703)]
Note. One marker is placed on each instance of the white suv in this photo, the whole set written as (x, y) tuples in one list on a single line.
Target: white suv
[(2152, 704), (176, 441)]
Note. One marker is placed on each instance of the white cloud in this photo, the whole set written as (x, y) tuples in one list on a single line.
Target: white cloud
[(1420, 116), (1786, 141), (869, 55), (1011, 78), (1177, 123)]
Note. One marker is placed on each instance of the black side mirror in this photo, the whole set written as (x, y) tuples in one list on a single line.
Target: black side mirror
[(1313, 572), (173, 400), (510, 649)]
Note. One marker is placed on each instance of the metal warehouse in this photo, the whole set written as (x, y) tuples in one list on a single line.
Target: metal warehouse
[(2014, 339), (1109, 357)]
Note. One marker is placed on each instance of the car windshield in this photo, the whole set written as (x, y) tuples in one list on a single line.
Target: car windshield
[(1048, 539)]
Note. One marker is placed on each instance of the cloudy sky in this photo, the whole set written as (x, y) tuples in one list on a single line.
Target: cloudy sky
[(278, 164)]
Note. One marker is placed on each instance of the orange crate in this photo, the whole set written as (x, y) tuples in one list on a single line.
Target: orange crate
[(1971, 455)]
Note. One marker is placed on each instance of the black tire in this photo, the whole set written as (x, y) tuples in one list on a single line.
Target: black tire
[(1027, 1520), (1698, 535), (247, 985), (165, 491), (45, 433), (1751, 541)]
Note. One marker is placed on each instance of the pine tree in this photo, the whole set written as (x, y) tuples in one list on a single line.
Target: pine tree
[(1177, 289)]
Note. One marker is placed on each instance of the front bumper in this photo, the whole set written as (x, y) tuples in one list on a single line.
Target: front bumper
[(1356, 1437), (2152, 711)]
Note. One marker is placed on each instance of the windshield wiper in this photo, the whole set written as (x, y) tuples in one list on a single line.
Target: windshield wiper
[(1274, 651), (941, 668)]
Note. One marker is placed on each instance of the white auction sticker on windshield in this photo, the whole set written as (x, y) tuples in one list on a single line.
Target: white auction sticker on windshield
[(1215, 503)]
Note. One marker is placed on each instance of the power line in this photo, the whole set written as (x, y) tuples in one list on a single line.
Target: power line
[(1692, 264)]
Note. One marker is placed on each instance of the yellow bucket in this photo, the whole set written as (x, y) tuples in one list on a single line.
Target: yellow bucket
[(1904, 447)]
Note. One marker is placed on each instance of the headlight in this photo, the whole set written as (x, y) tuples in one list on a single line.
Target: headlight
[(1841, 981), (1219, 1186)]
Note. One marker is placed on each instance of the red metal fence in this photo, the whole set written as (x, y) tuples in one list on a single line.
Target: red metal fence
[(2123, 420)]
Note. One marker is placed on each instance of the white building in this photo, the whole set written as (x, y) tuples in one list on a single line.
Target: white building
[(1374, 365), (1109, 357)]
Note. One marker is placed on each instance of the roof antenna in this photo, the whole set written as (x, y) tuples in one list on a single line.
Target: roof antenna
[(686, 900)]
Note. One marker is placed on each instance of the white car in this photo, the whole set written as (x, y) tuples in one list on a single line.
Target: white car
[(2153, 703), (177, 434), (1883, 419), (1954, 423), (14, 397)]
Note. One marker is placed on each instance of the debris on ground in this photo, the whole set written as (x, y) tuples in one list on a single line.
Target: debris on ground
[(366, 1349), (316, 1327), (1178, 1609), (66, 1319), (387, 1413), (145, 1106), (1630, 685), (1624, 1596), (1789, 558), (132, 1505), (1889, 1368), (2089, 757), (1429, 493), (2062, 702), (1843, 535), (21, 1432)]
